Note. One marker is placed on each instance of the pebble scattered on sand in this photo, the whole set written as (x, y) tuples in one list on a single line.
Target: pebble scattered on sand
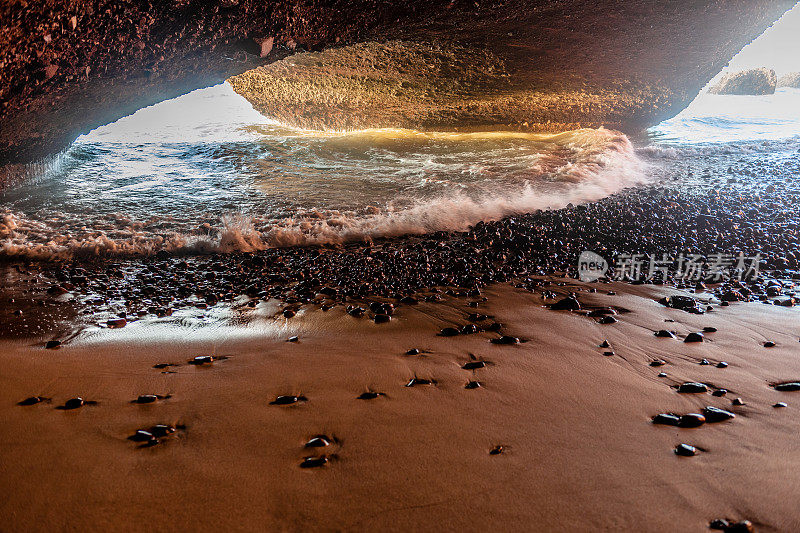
[(314, 462), (715, 414), (685, 450), (473, 385), (790, 386), (694, 337), (369, 395), (288, 399), (33, 400), (505, 339), (692, 387), (497, 450)]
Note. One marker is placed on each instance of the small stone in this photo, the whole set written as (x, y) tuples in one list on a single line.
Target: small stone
[(142, 436), (33, 400), (162, 430), (685, 450), (382, 319), (474, 365), (608, 320), (318, 442), (287, 400), (413, 351), (314, 462), (769, 344), (788, 387), (448, 332), (605, 344), (419, 381), (742, 526), (694, 337), (691, 420), (662, 374), (202, 360), (469, 329), (74, 403), (369, 395), (294, 338), (692, 387), (709, 329), (665, 334), (780, 404), (473, 385), (658, 362), (704, 362), (720, 392), (722, 364), (666, 419), (505, 339), (719, 523), (570, 303), (116, 323), (715, 414), (146, 398), (497, 450), (288, 313), (737, 401)]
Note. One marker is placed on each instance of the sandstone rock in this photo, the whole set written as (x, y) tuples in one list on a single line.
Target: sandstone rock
[(756, 81)]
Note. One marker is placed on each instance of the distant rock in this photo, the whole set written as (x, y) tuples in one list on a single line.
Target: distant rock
[(791, 79), (755, 82)]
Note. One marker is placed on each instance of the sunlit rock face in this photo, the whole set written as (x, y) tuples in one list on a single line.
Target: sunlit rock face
[(67, 66), (753, 81)]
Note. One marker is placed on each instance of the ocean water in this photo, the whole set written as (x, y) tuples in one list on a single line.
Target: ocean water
[(205, 173)]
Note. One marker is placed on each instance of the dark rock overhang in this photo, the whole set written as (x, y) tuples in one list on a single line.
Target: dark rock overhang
[(68, 66)]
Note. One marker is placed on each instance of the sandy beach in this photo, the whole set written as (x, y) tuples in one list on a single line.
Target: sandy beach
[(579, 449)]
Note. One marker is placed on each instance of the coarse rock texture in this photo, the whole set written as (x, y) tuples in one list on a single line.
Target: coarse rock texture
[(792, 79), (68, 66), (757, 81)]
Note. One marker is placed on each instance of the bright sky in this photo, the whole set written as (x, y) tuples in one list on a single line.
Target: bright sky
[(777, 48)]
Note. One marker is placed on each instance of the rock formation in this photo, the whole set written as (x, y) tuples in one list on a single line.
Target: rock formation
[(792, 79), (67, 66), (755, 81)]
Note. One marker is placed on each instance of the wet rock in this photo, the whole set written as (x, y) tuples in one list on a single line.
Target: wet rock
[(505, 339), (667, 419), (319, 441), (476, 317), (692, 387), (685, 303), (570, 303), (202, 360), (756, 81), (314, 462), (473, 385), (704, 362), (382, 319), (146, 398), (494, 326), (603, 311), (769, 344), (787, 387), (469, 329), (52, 345), (714, 414), (474, 365), (413, 351), (737, 401), (288, 313), (722, 364), (658, 362), (413, 382), (720, 392), (709, 329), (694, 337), (719, 523), (605, 344), (665, 334), (691, 420), (162, 430), (662, 374), (369, 395), (33, 400), (779, 404), (288, 399), (685, 450), (448, 332), (142, 436), (74, 403), (116, 323), (608, 320), (294, 338), (497, 450)]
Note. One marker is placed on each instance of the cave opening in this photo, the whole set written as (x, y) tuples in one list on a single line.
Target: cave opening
[(723, 112)]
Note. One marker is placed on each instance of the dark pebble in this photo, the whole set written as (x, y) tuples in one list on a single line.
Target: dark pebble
[(665, 334), (419, 381), (722, 364), (691, 420), (769, 344), (382, 319), (293, 339), (319, 441), (658, 362), (685, 450), (709, 329), (505, 339), (704, 362), (33, 400), (369, 395), (720, 392), (146, 398), (666, 419), (788, 387), (694, 337), (780, 404), (52, 345), (473, 385), (715, 414), (202, 360), (314, 462), (473, 365), (74, 403), (448, 332), (692, 387), (605, 344), (607, 320), (287, 400), (737, 401), (469, 329), (570, 303), (497, 450)]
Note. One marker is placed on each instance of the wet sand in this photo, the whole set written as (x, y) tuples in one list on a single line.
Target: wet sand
[(579, 450)]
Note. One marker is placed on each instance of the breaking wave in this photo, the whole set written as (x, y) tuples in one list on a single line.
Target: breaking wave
[(240, 182)]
